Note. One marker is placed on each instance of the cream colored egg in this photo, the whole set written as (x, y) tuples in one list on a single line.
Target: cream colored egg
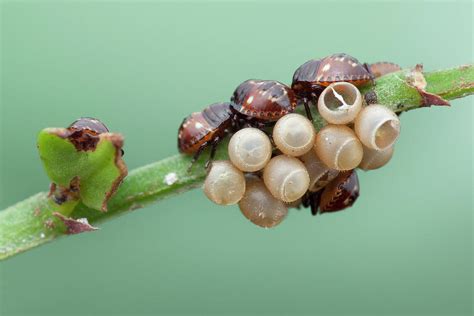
[(250, 149), (319, 174), (286, 178), (338, 147), (224, 184), (377, 127), (294, 134), (260, 207), (374, 159)]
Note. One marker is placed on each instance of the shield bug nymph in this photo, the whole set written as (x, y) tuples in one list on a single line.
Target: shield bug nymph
[(84, 133), (203, 129), (339, 194), (310, 79), (262, 102), (89, 125), (382, 68)]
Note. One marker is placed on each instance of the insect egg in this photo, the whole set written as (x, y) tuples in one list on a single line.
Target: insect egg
[(286, 178), (377, 127), (340, 103), (374, 159), (294, 134), (338, 147), (250, 149), (225, 184), (260, 207)]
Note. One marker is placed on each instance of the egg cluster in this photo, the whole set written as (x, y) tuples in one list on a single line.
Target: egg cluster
[(269, 172)]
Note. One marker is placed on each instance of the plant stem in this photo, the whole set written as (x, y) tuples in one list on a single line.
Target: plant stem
[(31, 223)]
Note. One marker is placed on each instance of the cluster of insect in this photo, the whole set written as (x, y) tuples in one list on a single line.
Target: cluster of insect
[(276, 158)]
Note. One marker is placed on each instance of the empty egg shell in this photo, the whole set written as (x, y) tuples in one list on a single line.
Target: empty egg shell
[(377, 127), (340, 103)]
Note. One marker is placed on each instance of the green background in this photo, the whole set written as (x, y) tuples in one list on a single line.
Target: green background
[(405, 248)]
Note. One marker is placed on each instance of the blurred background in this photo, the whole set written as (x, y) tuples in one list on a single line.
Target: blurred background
[(405, 248)]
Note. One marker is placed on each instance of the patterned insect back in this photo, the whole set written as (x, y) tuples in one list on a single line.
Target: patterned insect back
[(382, 68), (304, 78), (263, 99), (341, 193), (342, 67), (310, 79), (201, 128)]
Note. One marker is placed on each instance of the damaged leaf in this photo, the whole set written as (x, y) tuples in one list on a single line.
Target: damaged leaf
[(85, 165), (416, 79), (75, 226)]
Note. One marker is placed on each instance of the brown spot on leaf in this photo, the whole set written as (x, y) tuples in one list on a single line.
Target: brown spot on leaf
[(52, 189), (432, 99), (117, 141), (84, 140), (84, 133), (61, 194), (75, 226), (49, 224), (416, 79), (37, 212)]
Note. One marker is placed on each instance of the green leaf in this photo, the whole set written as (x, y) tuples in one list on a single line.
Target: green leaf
[(96, 172)]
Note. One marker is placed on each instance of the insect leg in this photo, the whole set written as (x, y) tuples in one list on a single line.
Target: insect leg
[(307, 109), (214, 145), (197, 154)]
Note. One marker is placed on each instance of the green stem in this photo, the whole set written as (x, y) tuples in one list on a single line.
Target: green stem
[(30, 223)]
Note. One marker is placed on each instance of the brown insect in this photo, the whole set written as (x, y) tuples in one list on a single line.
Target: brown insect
[(262, 101), (339, 194), (255, 103), (84, 133), (89, 125), (203, 129), (382, 68), (310, 79)]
